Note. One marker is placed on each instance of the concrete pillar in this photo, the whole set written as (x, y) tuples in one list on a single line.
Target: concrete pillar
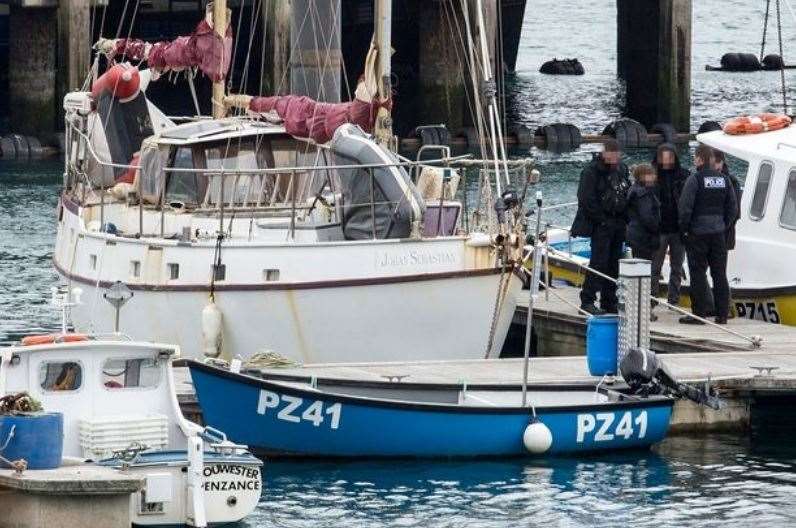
[(31, 70), (441, 96), (74, 43), (654, 58), (513, 14), (316, 59), (276, 71)]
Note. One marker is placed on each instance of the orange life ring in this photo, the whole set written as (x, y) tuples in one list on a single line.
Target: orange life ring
[(756, 124), (46, 339)]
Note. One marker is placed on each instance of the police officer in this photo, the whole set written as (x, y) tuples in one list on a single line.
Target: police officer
[(707, 207), (602, 215)]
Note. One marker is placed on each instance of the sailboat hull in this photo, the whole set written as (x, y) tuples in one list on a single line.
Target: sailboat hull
[(435, 316)]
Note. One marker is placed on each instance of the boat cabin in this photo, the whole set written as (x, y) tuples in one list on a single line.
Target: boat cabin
[(766, 231), (111, 393), (130, 153)]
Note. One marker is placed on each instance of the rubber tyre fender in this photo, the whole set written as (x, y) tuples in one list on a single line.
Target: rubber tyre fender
[(433, 135), (523, 135), (628, 132), (750, 62), (8, 150), (708, 126), (772, 61), (21, 144), (35, 148), (470, 135), (666, 130)]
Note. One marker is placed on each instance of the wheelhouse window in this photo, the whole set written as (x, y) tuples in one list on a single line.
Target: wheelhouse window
[(760, 197), (60, 376), (787, 218), (185, 187), (130, 373)]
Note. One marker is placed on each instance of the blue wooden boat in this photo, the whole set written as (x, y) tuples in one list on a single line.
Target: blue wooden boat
[(395, 419)]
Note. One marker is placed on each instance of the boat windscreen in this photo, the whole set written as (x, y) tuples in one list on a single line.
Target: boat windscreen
[(126, 126)]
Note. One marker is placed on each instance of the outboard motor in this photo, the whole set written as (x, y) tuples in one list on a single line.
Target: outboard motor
[(646, 374)]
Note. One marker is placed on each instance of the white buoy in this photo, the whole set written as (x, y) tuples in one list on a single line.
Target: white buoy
[(212, 330), (537, 438)]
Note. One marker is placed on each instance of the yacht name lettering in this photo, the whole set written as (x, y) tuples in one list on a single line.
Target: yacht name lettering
[(293, 409), (231, 469), (415, 258), (604, 427), (231, 485)]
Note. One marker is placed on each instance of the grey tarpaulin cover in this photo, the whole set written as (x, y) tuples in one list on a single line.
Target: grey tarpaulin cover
[(398, 203)]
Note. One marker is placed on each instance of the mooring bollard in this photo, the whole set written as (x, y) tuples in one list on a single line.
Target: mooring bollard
[(634, 305)]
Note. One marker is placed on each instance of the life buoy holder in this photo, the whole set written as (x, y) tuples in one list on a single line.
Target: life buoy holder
[(756, 124), (46, 339)]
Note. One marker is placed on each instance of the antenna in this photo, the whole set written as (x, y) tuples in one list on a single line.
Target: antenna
[(63, 299)]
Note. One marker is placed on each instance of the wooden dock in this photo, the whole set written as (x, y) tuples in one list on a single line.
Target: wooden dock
[(741, 371)]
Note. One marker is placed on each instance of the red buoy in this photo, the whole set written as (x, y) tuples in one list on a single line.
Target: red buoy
[(122, 81)]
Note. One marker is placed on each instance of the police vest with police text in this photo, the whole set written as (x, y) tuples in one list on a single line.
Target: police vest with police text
[(711, 193)]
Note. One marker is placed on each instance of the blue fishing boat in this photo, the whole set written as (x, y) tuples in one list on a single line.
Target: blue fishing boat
[(327, 418)]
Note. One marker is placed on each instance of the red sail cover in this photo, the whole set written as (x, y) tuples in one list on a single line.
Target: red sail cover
[(305, 117), (203, 49)]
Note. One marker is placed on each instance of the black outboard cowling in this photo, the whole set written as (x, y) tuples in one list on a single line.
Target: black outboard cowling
[(645, 374)]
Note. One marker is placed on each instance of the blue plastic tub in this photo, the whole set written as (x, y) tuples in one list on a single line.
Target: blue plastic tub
[(38, 438), (601, 344)]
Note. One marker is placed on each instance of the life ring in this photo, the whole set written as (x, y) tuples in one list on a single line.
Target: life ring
[(756, 124), (46, 339)]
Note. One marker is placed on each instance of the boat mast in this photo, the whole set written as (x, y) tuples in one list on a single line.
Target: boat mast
[(220, 28), (490, 92), (383, 36)]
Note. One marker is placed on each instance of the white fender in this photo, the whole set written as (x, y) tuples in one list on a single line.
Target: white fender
[(212, 330), (537, 438)]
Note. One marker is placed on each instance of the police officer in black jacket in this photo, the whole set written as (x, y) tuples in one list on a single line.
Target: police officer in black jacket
[(602, 215), (707, 208)]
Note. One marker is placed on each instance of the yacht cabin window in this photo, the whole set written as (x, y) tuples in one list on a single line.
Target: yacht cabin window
[(760, 196), (130, 373), (60, 376), (241, 190), (787, 218)]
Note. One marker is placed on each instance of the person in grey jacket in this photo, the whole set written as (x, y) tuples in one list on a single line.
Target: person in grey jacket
[(706, 209)]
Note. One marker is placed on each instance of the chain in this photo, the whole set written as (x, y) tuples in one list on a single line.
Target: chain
[(501, 296)]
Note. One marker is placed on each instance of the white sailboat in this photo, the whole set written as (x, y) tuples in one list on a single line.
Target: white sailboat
[(238, 236)]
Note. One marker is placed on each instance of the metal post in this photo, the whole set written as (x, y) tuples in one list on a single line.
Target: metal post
[(372, 205), (221, 205), (140, 214), (634, 305), (532, 292), (293, 205), (546, 264)]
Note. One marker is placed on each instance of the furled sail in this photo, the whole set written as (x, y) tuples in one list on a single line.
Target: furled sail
[(203, 49)]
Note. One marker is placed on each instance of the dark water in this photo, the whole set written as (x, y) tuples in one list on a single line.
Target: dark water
[(725, 481), (714, 481)]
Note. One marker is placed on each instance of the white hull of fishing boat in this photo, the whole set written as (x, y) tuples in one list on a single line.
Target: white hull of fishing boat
[(395, 299), (120, 410)]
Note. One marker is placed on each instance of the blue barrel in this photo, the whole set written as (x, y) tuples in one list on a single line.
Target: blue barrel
[(601, 344), (38, 438)]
